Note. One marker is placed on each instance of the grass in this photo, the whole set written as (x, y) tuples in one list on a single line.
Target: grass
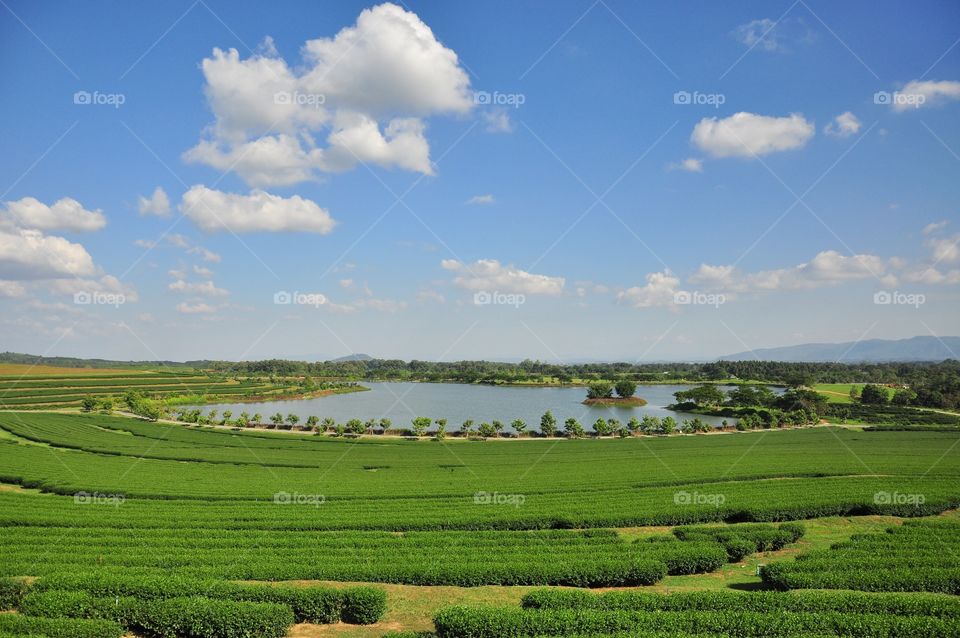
[(836, 392)]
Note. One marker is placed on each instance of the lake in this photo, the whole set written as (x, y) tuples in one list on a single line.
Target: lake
[(402, 401)]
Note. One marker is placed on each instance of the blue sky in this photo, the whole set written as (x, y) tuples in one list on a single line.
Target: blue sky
[(437, 180)]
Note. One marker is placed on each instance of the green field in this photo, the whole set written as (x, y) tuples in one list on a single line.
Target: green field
[(130, 523)]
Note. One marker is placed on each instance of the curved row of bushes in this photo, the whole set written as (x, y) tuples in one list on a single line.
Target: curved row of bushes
[(916, 556), (742, 540), (320, 605), (500, 622), (936, 605), (28, 626), (183, 617)]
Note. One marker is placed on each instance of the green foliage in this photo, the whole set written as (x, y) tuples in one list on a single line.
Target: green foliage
[(420, 425), (33, 627), (702, 396), (364, 605), (600, 390), (626, 388), (548, 424), (12, 591), (874, 394)]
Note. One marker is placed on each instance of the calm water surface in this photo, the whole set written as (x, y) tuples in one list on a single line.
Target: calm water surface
[(402, 401)]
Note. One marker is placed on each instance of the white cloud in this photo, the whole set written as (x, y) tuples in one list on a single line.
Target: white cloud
[(29, 254), (65, 214), (933, 276), (758, 33), (690, 164), (748, 135), (497, 121), (215, 210), (432, 296), (157, 204), (492, 276), (481, 199), (346, 284), (205, 288), (197, 308), (844, 125), (367, 88), (924, 93), (827, 267), (381, 305), (200, 270), (658, 291), (934, 227), (945, 248)]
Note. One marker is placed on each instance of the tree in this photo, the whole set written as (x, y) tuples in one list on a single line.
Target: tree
[(634, 425), (441, 428), (668, 425), (420, 425), (486, 430), (385, 424), (600, 390), (88, 404), (328, 424), (519, 425), (105, 404), (650, 424), (293, 419), (802, 399), (212, 416), (626, 388), (369, 425), (466, 427), (854, 392), (312, 422), (697, 425), (498, 426), (614, 426), (600, 427), (573, 428), (548, 424), (702, 395), (355, 426), (751, 396), (257, 418), (903, 397), (226, 417), (874, 394), (277, 418)]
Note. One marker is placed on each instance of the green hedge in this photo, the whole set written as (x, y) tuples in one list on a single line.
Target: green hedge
[(184, 617), (937, 605), (18, 625), (318, 605), (497, 622)]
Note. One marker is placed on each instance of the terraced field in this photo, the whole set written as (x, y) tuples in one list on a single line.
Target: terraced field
[(122, 525), (38, 387)]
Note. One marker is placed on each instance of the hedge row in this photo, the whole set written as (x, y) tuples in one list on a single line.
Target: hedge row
[(185, 617), (498, 622), (319, 605), (22, 626), (743, 540), (12, 591), (762, 601)]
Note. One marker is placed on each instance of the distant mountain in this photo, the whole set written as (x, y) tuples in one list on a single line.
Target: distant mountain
[(871, 350), (355, 357)]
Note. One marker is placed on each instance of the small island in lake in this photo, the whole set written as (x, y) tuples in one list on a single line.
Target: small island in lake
[(601, 393)]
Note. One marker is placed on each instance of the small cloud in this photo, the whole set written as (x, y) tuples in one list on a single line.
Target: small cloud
[(497, 121), (157, 204), (924, 93), (346, 284), (481, 199), (929, 229), (691, 164), (201, 271), (844, 125), (193, 309), (430, 296)]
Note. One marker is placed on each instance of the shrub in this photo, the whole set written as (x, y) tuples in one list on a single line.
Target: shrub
[(12, 591), (364, 605), (18, 625)]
